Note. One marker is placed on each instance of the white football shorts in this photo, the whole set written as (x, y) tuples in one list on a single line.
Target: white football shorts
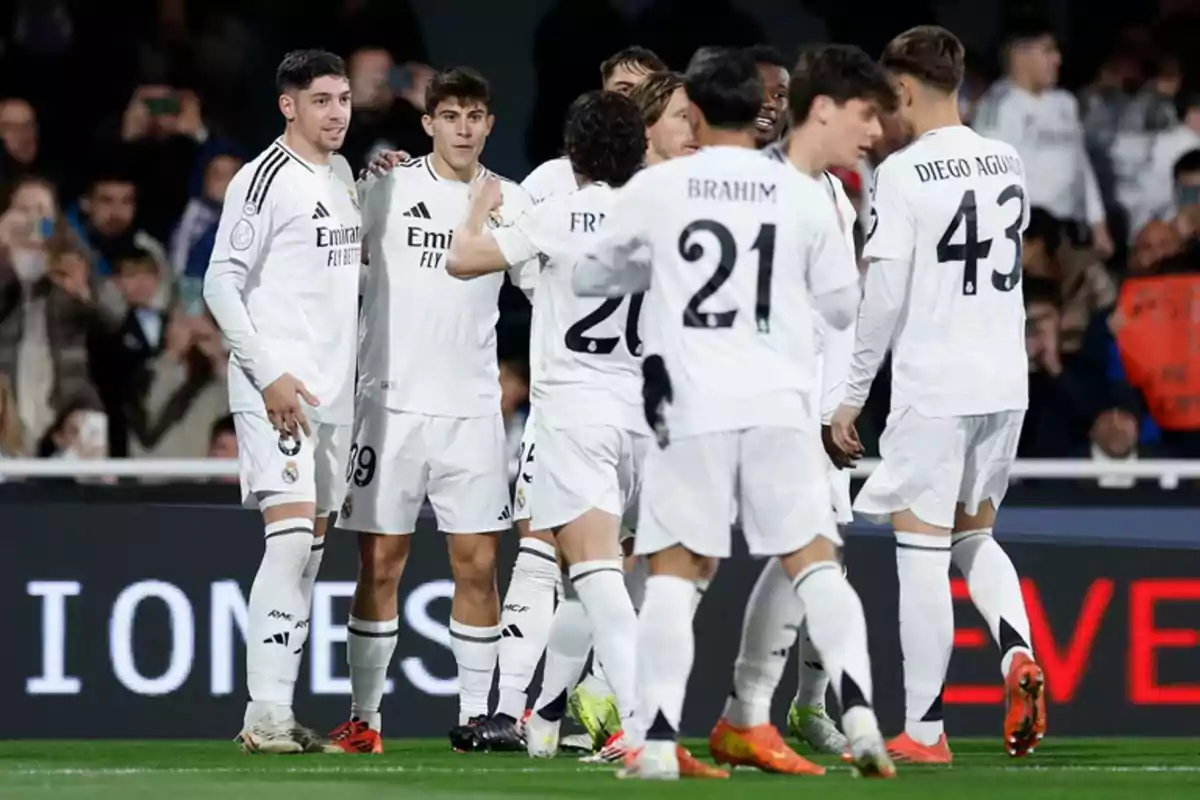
[(526, 469), (398, 458), (309, 467), (930, 464), (776, 477), (580, 468)]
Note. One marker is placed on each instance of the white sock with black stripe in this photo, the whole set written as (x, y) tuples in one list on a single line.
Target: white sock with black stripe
[(926, 629), (475, 650), (369, 648), (995, 590), (601, 588), (525, 619), (277, 619)]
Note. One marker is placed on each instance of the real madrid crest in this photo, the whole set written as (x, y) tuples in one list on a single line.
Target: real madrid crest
[(520, 497), (494, 219), (291, 472), (347, 507)]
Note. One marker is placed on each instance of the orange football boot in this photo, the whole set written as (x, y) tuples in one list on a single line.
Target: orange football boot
[(692, 767), (906, 748), (1025, 717), (760, 747), (356, 736)]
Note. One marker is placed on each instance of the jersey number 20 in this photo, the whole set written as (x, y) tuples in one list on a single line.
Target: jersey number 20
[(578, 342), (972, 249), (692, 250)]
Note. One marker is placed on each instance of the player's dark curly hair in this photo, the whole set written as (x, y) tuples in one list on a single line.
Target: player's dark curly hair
[(841, 72), (300, 68), (463, 84), (605, 137)]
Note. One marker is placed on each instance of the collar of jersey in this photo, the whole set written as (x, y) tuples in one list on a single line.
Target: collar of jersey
[(479, 173), (313, 166)]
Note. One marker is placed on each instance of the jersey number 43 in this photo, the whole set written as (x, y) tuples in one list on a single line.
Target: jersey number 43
[(972, 249)]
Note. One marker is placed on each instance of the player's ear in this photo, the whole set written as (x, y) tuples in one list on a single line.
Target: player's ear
[(287, 107), (491, 120), (427, 124)]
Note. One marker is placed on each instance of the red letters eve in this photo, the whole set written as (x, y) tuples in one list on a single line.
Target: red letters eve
[(1066, 663)]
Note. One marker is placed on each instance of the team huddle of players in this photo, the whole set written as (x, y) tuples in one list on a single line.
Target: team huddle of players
[(702, 343)]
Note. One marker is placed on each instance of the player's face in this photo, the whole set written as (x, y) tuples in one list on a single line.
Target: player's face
[(853, 129), (459, 130), (671, 136), (1044, 61), (774, 112), (625, 78), (321, 113)]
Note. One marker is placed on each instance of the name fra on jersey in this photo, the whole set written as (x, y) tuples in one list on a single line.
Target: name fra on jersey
[(586, 221)]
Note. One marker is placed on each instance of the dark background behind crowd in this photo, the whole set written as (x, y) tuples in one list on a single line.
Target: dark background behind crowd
[(122, 123)]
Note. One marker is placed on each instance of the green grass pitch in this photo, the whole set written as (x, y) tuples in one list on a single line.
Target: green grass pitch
[(1087, 769)]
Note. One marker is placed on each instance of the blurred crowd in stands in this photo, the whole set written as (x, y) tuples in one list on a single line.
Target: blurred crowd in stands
[(110, 188)]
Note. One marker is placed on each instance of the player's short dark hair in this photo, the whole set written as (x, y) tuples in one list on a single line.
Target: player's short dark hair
[(641, 58), (841, 72), (1044, 227), (1026, 25), (767, 54), (1041, 290), (726, 88), (463, 84), (703, 54), (652, 95), (605, 137), (1186, 164), (929, 53), (300, 68), (222, 426)]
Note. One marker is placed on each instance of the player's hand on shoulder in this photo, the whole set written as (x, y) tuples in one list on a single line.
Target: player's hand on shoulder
[(383, 163), (842, 431), (282, 399), (486, 192)]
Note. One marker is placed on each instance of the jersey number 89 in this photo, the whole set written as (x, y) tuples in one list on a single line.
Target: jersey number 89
[(972, 249)]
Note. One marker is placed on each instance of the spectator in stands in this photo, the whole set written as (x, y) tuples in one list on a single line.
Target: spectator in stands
[(1084, 284), (180, 393), (161, 135), (1042, 122), (12, 432), (77, 433), (1114, 437), (1159, 174), (1061, 409), (192, 241), (388, 102), (19, 135), (222, 443), (1186, 206), (1157, 242), (46, 306)]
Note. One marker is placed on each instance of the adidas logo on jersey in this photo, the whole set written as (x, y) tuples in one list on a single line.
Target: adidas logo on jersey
[(512, 632), (505, 515), (321, 212), (419, 211)]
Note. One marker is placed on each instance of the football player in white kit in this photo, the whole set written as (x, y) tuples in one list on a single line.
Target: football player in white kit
[(428, 419), (282, 284), (728, 386), (944, 254), (529, 601), (838, 93)]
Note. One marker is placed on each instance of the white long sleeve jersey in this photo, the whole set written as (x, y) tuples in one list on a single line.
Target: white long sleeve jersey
[(282, 281), (428, 340), (1047, 133)]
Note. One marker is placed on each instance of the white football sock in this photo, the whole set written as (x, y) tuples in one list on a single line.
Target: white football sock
[(812, 690), (601, 588), (665, 650), (313, 568), (475, 650), (369, 649), (277, 619), (566, 655), (768, 630), (525, 619), (995, 591), (926, 629), (635, 582), (838, 628)]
